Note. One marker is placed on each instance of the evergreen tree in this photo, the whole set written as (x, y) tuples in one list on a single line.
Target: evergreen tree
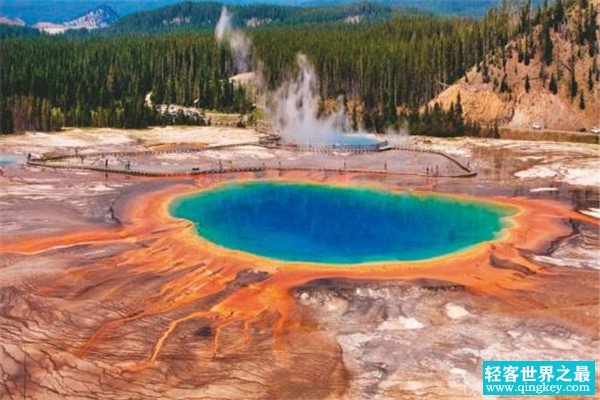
[(546, 44), (459, 122), (559, 14), (504, 88), (496, 133), (553, 85), (573, 86), (6, 117), (525, 16)]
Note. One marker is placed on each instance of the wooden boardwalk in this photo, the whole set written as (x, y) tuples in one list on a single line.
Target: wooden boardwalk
[(60, 161)]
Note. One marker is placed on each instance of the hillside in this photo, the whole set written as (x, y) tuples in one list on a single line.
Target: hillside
[(101, 17), (549, 75), (17, 31), (58, 11), (189, 15), (103, 81), (384, 71)]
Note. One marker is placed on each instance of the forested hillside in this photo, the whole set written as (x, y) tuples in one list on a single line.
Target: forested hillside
[(15, 31), (188, 15), (51, 81), (59, 11), (547, 76), (385, 71), (103, 81)]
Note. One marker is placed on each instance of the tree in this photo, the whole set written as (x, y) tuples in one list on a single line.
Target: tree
[(525, 16), (459, 122), (57, 119), (496, 132), (559, 14), (573, 86), (527, 84), (6, 117), (581, 100), (504, 87), (546, 43), (553, 85)]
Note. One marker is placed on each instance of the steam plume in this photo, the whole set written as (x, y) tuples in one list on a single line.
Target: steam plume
[(239, 43), (294, 111)]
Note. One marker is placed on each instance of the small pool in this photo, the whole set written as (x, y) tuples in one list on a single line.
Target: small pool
[(344, 141), (357, 140), (8, 159), (341, 225)]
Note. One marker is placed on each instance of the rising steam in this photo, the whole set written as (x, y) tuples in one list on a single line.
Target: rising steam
[(239, 43), (294, 107), (294, 113)]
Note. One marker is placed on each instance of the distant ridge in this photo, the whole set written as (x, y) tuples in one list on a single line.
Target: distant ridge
[(205, 15), (59, 11), (100, 17), (10, 21)]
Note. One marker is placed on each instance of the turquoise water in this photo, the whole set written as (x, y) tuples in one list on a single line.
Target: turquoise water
[(325, 224), (8, 159)]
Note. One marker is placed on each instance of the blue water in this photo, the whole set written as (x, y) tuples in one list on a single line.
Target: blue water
[(356, 139), (8, 159), (325, 224)]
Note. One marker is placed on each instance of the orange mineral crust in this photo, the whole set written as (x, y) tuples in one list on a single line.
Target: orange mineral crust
[(189, 313)]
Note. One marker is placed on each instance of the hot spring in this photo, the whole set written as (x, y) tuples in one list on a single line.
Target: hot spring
[(8, 159), (338, 225), (344, 141)]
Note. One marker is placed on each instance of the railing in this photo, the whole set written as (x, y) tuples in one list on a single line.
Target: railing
[(54, 161)]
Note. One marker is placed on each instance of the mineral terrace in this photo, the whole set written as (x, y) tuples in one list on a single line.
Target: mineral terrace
[(103, 295)]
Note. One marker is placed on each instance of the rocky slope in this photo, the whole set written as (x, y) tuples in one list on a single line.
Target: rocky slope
[(100, 17), (518, 95), (10, 21)]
